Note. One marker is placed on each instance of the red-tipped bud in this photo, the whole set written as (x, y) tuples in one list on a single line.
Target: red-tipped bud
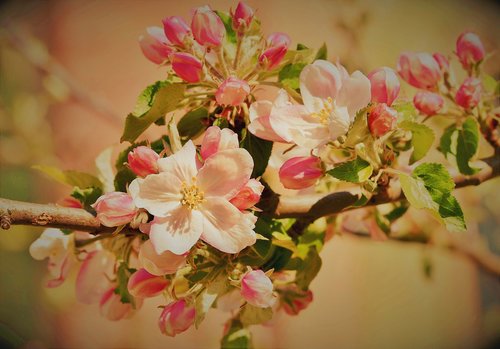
[(428, 103), (419, 69), (155, 45), (242, 17), (176, 29), (187, 66), (381, 119), (232, 91), (470, 49), (207, 27), (142, 161), (300, 172), (469, 93), (384, 85)]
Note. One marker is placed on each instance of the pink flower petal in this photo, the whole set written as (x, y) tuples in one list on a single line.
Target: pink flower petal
[(321, 79), (355, 93), (159, 264), (181, 164)]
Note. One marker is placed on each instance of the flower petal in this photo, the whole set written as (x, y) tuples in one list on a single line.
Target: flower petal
[(225, 227), (181, 164), (260, 125), (224, 173), (321, 79), (355, 93), (177, 232), (159, 193)]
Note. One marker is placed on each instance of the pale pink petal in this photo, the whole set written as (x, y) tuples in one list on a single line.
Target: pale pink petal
[(177, 232), (181, 164), (142, 284), (224, 173), (260, 125), (321, 79), (157, 193), (216, 140), (339, 123), (159, 264), (355, 93), (94, 276), (225, 227)]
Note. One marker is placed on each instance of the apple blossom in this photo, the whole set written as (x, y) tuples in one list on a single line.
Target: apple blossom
[(257, 289), (232, 91), (242, 17), (469, 93), (115, 209), (94, 276), (187, 66), (278, 39), (155, 45), (190, 203), (470, 49), (249, 195), (443, 62), (381, 119), (176, 30), (54, 245), (112, 308), (216, 140), (142, 284), (207, 27), (419, 69), (159, 264), (176, 318), (277, 47), (428, 103), (294, 300), (300, 172), (142, 161), (384, 85)]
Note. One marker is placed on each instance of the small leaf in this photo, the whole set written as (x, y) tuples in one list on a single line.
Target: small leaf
[(289, 75), (467, 145), (207, 298), (308, 269), (260, 150), (355, 171), (421, 140), (446, 142), (123, 178), (123, 275), (73, 178), (86, 196), (228, 24), (406, 111), (193, 123), (237, 337), (251, 315), (156, 101), (359, 130), (322, 53)]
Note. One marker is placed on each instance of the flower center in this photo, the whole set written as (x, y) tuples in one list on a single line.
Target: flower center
[(192, 196), (324, 114)]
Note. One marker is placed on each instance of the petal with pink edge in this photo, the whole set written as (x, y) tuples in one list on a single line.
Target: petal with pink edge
[(355, 93), (260, 125), (159, 193), (322, 80), (181, 164)]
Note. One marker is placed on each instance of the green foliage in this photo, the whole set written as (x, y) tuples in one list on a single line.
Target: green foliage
[(193, 123), (406, 111), (358, 130), (355, 171), (289, 75), (123, 178), (308, 268), (446, 141), (228, 24), (153, 103), (467, 145), (72, 178), (122, 276), (87, 196), (422, 139), (260, 150), (237, 337), (251, 315), (430, 188), (322, 53), (207, 297)]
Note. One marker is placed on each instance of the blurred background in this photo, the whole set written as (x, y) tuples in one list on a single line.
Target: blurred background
[(70, 71)]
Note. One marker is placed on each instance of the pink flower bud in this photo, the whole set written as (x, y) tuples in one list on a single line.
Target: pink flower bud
[(176, 29), (93, 279), (176, 318), (384, 85), (115, 209), (242, 17), (232, 91), (470, 49), (70, 202), (216, 140), (300, 172), (249, 195), (381, 119), (257, 289), (186, 66), (419, 69), (155, 45), (142, 161), (443, 62), (428, 103), (159, 264), (469, 93), (113, 309), (294, 300), (278, 39), (207, 27), (144, 285)]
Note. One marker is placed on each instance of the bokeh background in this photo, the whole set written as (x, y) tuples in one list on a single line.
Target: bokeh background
[(71, 70)]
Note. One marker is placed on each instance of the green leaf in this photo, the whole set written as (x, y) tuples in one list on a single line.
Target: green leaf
[(123, 178), (355, 171), (322, 53), (73, 178), (430, 188), (467, 145), (446, 142), (228, 24), (301, 47), (490, 84), (238, 337), (87, 196), (260, 150), (421, 140), (308, 269), (153, 103), (193, 123), (406, 111), (289, 75), (252, 315), (122, 276), (359, 130), (206, 299)]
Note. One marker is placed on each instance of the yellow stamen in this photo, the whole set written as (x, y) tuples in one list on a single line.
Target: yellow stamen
[(192, 196), (324, 114)]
